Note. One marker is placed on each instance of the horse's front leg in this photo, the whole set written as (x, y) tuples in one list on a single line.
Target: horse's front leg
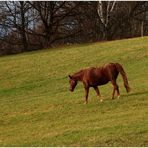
[(113, 93), (98, 93), (86, 94)]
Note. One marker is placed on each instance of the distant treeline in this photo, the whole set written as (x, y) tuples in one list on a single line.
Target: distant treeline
[(33, 25)]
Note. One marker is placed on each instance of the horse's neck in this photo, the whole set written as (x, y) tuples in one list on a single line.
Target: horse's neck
[(79, 75)]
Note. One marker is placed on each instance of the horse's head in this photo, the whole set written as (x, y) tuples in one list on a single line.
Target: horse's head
[(72, 83)]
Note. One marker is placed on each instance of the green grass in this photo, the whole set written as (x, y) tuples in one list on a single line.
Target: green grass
[(37, 109)]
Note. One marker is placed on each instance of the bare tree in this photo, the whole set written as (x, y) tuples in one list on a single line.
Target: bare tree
[(55, 20), (16, 22), (105, 11)]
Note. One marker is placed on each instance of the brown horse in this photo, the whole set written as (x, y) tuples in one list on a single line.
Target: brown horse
[(94, 77)]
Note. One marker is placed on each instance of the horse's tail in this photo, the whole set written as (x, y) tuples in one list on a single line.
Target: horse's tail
[(122, 72)]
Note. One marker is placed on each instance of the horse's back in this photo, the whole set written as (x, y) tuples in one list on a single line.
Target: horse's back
[(92, 72)]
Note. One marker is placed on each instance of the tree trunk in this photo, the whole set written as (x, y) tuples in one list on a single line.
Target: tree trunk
[(142, 29), (22, 29)]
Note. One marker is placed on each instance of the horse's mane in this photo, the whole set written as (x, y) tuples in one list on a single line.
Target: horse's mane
[(78, 74)]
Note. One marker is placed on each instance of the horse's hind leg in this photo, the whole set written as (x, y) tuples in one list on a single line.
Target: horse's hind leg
[(98, 93), (116, 88), (86, 94), (118, 93)]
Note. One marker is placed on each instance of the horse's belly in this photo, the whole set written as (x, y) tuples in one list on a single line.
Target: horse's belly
[(99, 82), (103, 82), (96, 77)]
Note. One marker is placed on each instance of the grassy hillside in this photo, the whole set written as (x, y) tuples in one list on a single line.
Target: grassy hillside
[(37, 109)]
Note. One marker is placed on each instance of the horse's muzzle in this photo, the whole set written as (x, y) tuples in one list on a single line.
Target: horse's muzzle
[(71, 89)]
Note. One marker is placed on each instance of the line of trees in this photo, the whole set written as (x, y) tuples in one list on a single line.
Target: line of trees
[(33, 25)]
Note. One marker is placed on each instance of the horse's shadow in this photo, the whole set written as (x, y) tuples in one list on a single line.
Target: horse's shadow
[(137, 93)]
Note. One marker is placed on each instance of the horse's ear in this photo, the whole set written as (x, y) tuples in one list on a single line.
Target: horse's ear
[(70, 76)]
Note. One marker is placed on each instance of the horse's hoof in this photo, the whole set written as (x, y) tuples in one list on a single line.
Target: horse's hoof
[(85, 103), (101, 100), (118, 97)]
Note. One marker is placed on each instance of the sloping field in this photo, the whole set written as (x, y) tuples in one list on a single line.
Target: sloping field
[(37, 109)]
